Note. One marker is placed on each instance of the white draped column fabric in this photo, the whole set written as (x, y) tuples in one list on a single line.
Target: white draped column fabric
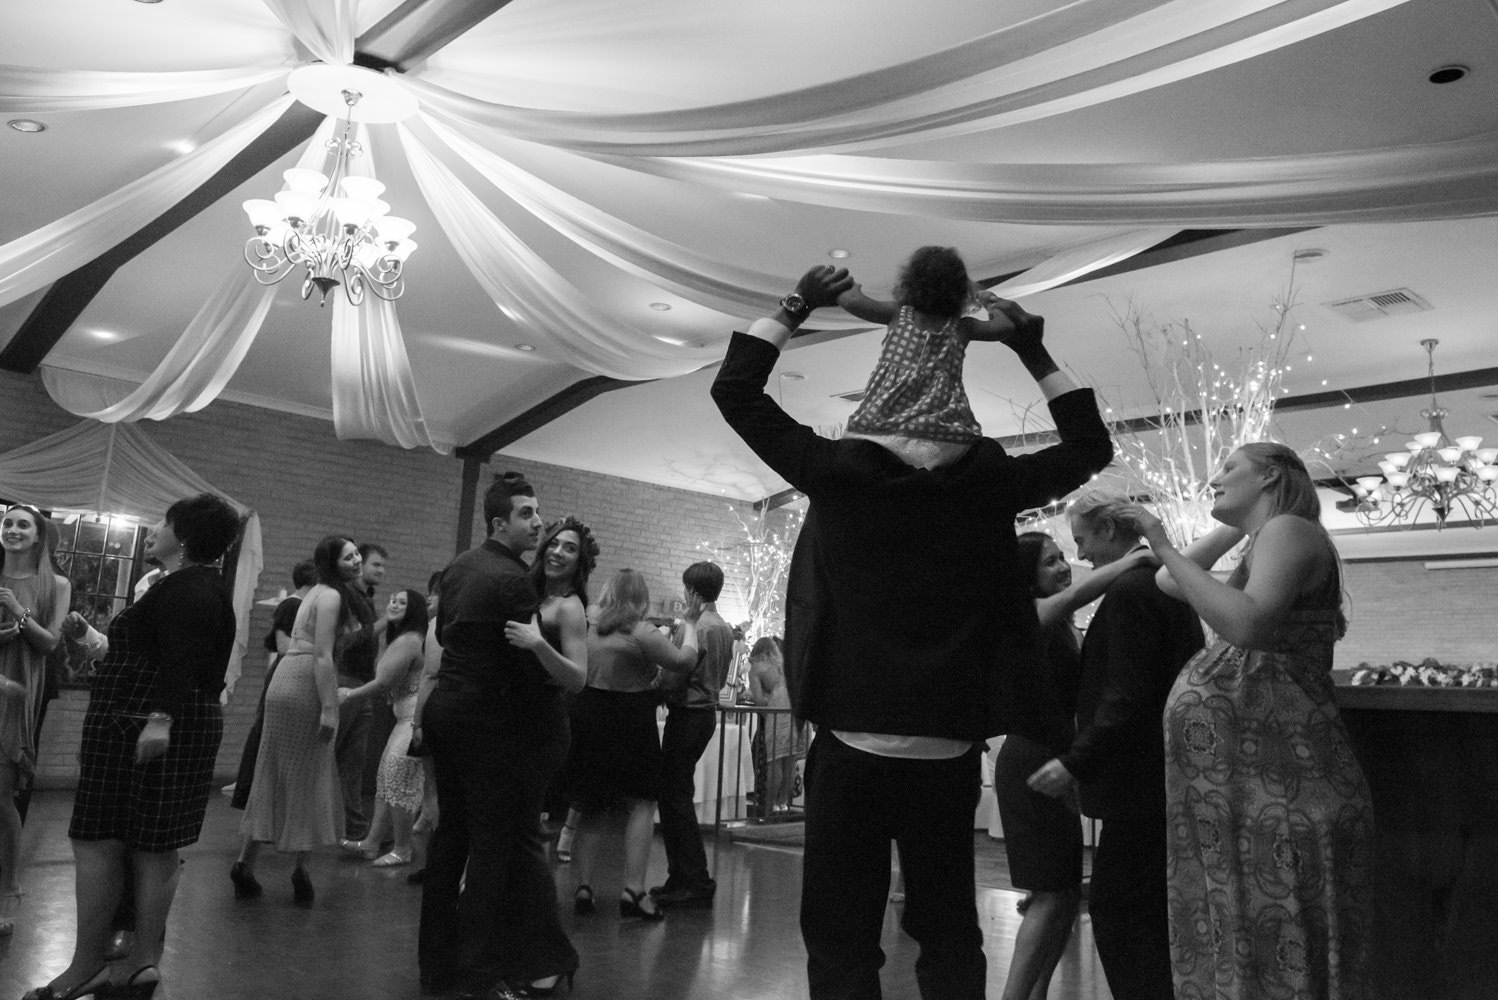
[(326, 27), (46, 254), (32, 91), (118, 469)]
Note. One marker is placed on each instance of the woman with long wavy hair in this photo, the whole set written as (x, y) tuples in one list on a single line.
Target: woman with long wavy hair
[(1271, 822), (33, 602), (295, 802)]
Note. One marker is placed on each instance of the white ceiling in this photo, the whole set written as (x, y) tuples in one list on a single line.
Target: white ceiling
[(1359, 86)]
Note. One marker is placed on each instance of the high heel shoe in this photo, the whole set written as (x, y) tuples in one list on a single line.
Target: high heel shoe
[(535, 990), (96, 985), (564, 843), (582, 901), (357, 849), (302, 892), (631, 907), (245, 884), (135, 988)]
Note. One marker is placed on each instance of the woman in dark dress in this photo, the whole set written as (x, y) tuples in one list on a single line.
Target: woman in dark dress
[(564, 561), (1043, 835), (616, 748), (150, 739)]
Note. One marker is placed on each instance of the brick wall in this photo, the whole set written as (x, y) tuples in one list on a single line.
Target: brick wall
[(1399, 610)]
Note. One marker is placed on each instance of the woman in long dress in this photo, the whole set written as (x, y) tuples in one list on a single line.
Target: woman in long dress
[(295, 802), (1271, 822), (399, 782), (33, 602)]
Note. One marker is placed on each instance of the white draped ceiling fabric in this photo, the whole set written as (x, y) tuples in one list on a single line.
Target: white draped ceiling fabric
[(836, 144), (118, 469)]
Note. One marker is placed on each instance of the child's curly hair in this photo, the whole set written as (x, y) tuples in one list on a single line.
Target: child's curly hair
[(934, 281)]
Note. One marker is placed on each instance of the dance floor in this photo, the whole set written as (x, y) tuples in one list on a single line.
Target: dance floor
[(358, 942)]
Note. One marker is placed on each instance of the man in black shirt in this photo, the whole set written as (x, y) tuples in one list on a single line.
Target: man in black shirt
[(497, 729)]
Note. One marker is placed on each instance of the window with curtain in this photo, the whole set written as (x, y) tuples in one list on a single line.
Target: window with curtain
[(102, 556)]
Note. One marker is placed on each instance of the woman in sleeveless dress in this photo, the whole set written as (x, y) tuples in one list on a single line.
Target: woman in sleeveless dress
[(1271, 822), (399, 783), (566, 557), (295, 802), (33, 602)]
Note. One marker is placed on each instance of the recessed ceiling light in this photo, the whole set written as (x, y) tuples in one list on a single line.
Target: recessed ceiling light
[(525, 347), (182, 146), (793, 376), (838, 253), (26, 125), (148, 1), (1310, 255), (1449, 74), (104, 335), (662, 307)]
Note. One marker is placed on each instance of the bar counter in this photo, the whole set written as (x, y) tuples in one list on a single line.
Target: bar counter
[(1431, 757)]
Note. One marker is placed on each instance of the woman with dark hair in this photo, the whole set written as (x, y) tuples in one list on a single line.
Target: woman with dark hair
[(150, 739), (398, 783), (33, 603), (566, 557), (1271, 822), (616, 748), (1043, 835), (295, 801)]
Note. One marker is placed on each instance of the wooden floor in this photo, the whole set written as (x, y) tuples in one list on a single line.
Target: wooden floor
[(359, 941)]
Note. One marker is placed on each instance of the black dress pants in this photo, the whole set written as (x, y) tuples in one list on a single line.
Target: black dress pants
[(1127, 902), (494, 756), (857, 803), (687, 735)]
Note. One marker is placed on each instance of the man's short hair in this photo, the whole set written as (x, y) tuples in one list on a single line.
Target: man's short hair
[(303, 574), (499, 497), (705, 579), (368, 547)]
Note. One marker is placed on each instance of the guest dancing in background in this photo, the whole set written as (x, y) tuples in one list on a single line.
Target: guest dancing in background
[(34, 600), (294, 802), (277, 642), (497, 727), (1271, 822), (616, 749), (1043, 835), (399, 785), (150, 739), (1137, 642), (779, 741)]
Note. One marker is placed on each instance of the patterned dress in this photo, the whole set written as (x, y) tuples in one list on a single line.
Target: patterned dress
[(26, 665), (1270, 821), (400, 781), (295, 802), (916, 388)]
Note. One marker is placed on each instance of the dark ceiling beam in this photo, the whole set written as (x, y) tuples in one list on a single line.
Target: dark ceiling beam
[(540, 415), (416, 29), (65, 301)]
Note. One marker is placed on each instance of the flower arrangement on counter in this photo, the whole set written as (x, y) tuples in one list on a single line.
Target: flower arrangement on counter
[(1429, 672)]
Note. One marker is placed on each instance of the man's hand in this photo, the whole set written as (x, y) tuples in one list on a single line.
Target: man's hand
[(1029, 329), (1052, 779), (823, 284), (74, 626)]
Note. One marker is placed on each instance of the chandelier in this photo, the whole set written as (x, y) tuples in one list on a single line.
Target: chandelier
[(1435, 471), (333, 226)]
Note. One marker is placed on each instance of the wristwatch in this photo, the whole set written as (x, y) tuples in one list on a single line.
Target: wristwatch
[(795, 305)]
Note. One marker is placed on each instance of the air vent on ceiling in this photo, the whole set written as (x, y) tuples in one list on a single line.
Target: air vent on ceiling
[(1397, 302), (856, 396)]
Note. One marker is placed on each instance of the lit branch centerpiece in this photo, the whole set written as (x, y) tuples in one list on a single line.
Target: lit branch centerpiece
[(755, 568)]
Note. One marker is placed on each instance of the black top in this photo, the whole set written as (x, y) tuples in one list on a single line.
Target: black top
[(184, 628), (357, 659), (281, 620), (481, 590), (1137, 642), (903, 611)]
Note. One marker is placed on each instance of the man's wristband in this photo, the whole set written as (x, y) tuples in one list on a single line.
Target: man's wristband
[(158, 717)]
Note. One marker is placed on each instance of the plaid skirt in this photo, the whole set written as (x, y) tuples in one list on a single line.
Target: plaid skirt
[(155, 806)]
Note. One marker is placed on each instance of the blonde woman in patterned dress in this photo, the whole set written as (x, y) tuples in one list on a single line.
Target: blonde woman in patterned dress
[(399, 784), (1271, 823)]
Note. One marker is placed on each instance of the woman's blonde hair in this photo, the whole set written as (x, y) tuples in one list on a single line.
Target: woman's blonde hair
[(623, 603), (49, 580)]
